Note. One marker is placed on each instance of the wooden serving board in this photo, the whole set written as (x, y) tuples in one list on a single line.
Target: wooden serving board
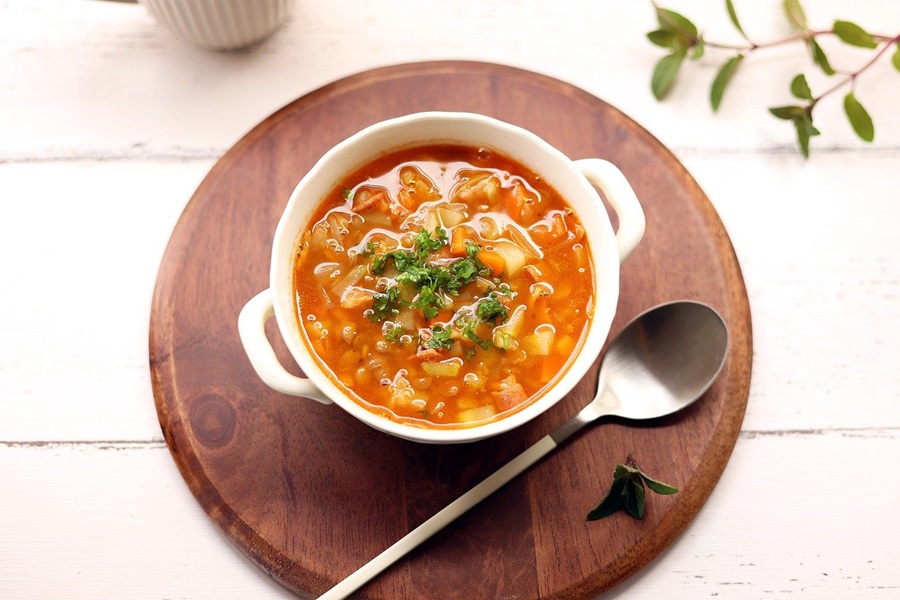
[(309, 493)]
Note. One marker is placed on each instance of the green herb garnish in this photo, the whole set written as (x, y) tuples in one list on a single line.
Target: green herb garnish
[(490, 309), (385, 305), (431, 281), (469, 333), (424, 244), (441, 339), (369, 249), (627, 492), (392, 332)]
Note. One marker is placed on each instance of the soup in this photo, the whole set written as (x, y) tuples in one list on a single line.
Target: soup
[(443, 285)]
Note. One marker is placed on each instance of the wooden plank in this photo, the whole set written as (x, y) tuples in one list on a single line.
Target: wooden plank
[(112, 521), (89, 237), (150, 106), (802, 285)]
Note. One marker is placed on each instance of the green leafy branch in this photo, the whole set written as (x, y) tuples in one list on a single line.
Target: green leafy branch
[(680, 36), (627, 492)]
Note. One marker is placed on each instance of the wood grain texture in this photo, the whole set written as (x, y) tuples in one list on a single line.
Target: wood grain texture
[(310, 494)]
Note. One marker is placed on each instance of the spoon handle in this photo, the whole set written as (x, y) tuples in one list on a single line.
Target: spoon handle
[(441, 519)]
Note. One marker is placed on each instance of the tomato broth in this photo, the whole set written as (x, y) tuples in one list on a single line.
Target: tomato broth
[(443, 285)]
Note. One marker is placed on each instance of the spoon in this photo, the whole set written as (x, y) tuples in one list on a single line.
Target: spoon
[(660, 363)]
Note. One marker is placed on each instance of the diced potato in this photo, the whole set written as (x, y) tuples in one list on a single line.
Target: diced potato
[(513, 256), (539, 343), (378, 219), (444, 368), (466, 403), (431, 221), (407, 319), (504, 336), (480, 413), (450, 218)]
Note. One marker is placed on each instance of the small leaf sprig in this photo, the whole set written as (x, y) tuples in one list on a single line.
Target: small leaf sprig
[(627, 492), (680, 36)]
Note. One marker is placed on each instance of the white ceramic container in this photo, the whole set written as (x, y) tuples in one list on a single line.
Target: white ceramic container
[(572, 179), (220, 24)]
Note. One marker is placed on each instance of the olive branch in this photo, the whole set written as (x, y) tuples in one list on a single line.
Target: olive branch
[(683, 40)]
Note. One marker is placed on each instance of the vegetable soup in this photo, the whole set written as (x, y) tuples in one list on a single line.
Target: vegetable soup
[(443, 285)]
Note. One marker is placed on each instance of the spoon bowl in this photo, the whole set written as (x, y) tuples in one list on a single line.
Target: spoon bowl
[(663, 361)]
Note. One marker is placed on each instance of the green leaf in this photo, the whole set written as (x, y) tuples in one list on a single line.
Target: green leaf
[(665, 73), (818, 56), (795, 15), (662, 38), (853, 34), (699, 48), (805, 130), (859, 118), (895, 58), (788, 113), (729, 6), (722, 79), (658, 486), (610, 503), (670, 20), (800, 88), (633, 497)]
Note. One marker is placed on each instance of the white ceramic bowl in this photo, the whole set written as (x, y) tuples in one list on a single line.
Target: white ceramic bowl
[(572, 179), (220, 24)]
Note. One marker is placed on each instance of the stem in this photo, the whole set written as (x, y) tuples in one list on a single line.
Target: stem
[(852, 76)]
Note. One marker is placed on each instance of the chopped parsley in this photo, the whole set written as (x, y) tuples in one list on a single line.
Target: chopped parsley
[(490, 309), (369, 249), (432, 281), (469, 333), (441, 339), (392, 332), (424, 244), (385, 305)]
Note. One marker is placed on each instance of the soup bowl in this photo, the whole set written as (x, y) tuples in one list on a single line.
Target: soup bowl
[(576, 181)]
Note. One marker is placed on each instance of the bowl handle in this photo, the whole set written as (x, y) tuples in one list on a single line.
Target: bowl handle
[(252, 329), (617, 191)]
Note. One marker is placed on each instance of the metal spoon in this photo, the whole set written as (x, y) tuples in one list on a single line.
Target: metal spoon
[(660, 363)]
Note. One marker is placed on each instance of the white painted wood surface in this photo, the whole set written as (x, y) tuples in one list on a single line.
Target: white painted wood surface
[(108, 124)]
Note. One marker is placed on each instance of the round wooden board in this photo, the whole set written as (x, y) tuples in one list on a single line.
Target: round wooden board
[(309, 493)]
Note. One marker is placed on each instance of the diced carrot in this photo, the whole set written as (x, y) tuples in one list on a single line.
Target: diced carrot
[(459, 238), (492, 260)]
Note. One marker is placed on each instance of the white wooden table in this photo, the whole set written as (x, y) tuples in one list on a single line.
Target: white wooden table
[(108, 123)]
